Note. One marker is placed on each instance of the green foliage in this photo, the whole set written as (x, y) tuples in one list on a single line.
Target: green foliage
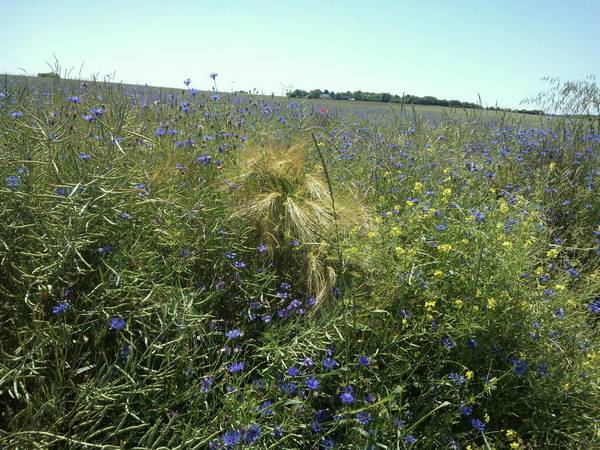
[(139, 309)]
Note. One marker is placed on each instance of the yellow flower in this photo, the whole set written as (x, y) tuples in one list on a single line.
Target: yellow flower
[(503, 206), (429, 305), (486, 418), (469, 375), (400, 251), (515, 445), (552, 166), (507, 244), (409, 203), (438, 274), (458, 303), (553, 253), (560, 287), (447, 192), (511, 435), (491, 303), (371, 234), (445, 248), (395, 232), (418, 186)]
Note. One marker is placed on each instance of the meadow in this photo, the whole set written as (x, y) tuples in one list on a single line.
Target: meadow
[(183, 269)]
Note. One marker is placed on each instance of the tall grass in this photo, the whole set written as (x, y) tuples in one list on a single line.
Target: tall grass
[(165, 261)]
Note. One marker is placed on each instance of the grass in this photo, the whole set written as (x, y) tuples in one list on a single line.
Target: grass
[(173, 274)]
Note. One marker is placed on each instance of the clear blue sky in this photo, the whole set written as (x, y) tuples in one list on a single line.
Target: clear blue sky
[(446, 48)]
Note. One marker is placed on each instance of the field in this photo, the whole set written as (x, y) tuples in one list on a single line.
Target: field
[(189, 270)]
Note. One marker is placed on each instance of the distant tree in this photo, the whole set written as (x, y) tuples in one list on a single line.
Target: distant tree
[(48, 75)]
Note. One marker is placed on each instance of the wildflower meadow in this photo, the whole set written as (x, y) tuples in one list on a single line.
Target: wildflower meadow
[(195, 269)]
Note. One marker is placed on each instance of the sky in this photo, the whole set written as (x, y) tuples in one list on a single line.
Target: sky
[(451, 49)]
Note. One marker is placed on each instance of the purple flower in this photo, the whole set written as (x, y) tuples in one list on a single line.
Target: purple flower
[(206, 383), (13, 181), (231, 438), (251, 434), (559, 313), (594, 307), (465, 410), (60, 308), (346, 397), (364, 418), (409, 439), (293, 371), (457, 379), (160, 131), (104, 250), (16, 114), (236, 367), (261, 248), (364, 361), (448, 342), (187, 82), (329, 363), (478, 425), (519, 367), (117, 323), (85, 156), (232, 334), (312, 383), (73, 99)]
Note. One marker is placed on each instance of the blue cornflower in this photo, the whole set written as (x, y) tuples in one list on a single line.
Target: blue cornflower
[(293, 371), (519, 367), (60, 308), (236, 367), (117, 323), (364, 361), (409, 439), (231, 438), (364, 418), (89, 117), (346, 397), (472, 343), (73, 99), (479, 216), (239, 264), (542, 369), (478, 425), (288, 388), (261, 248), (265, 408), (13, 181), (559, 313), (457, 378), (448, 342), (465, 410), (160, 131), (295, 243), (312, 383), (572, 272), (441, 227), (594, 306), (328, 443), (308, 362), (232, 334), (16, 114), (206, 383), (187, 82), (104, 250), (329, 363), (277, 432), (204, 159), (251, 434), (85, 156), (124, 216)]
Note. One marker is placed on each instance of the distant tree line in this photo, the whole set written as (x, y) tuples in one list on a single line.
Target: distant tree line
[(384, 97)]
